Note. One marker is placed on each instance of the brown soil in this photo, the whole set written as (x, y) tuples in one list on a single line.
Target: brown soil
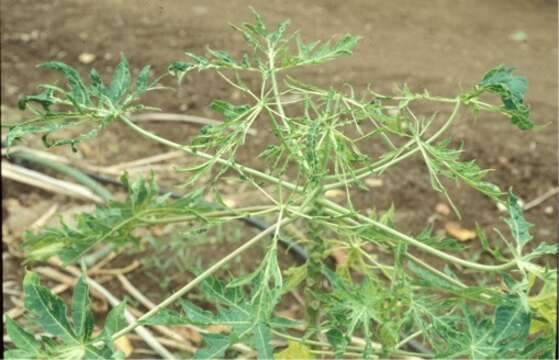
[(442, 47)]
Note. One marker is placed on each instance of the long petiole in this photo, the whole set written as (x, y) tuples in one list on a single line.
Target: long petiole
[(382, 165), (339, 210), (230, 214), (208, 272)]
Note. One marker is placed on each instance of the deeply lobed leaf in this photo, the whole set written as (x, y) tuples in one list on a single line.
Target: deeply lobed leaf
[(66, 340), (111, 223)]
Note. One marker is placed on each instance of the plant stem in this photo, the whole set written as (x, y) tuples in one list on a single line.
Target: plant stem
[(340, 210), (277, 100), (142, 331), (412, 336), (337, 209), (234, 165), (382, 165), (240, 212), (212, 269)]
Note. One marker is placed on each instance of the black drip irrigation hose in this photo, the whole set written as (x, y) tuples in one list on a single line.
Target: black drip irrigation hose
[(91, 180), (88, 179)]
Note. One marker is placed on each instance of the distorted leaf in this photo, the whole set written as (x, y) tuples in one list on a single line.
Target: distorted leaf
[(78, 90), (519, 227), (511, 89)]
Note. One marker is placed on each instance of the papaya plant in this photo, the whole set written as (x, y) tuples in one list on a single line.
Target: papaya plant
[(369, 306)]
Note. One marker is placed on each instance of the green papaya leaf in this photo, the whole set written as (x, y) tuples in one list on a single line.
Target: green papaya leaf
[(79, 91), (142, 82), (82, 315), (215, 347), (120, 82), (49, 309), (511, 89), (23, 340), (519, 227)]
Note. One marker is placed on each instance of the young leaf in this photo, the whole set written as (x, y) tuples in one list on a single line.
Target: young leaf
[(179, 69), (78, 90), (544, 305), (142, 82), (120, 82), (76, 107), (309, 54)]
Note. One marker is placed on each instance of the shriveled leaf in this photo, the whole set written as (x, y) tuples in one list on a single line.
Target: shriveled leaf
[(511, 89), (120, 82), (294, 276), (47, 125), (87, 108), (444, 160), (45, 99), (544, 305), (78, 90)]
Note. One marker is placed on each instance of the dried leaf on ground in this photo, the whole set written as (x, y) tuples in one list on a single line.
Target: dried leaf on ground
[(457, 231)]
